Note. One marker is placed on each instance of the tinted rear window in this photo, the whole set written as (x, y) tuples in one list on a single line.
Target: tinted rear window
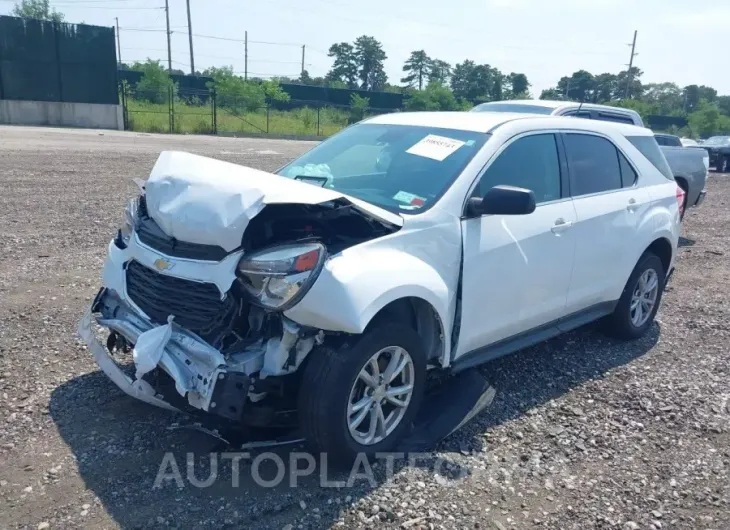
[(512, 107), (670, 141), (594, 164), (618, 118), (650, 149)]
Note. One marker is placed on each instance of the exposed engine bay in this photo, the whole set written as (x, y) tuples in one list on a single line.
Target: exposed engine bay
[(233, 323), (204, 316)]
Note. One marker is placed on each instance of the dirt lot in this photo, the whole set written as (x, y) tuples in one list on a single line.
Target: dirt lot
[(585, 432)]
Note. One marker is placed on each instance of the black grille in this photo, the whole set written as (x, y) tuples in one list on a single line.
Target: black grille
[(152, 235), (196, 306)]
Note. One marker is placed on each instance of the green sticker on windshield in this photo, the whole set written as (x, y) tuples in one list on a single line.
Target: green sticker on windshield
[(410, 199)]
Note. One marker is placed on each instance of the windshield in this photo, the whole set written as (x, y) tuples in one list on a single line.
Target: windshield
[(512, 107), (400, 168), (717, 140)]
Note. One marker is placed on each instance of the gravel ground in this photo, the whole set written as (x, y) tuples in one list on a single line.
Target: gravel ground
[(585, 432)]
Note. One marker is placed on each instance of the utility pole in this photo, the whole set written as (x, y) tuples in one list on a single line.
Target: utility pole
[(631, 64), (245, 55), (303, 46), (169, 51), (119, 46), (190, 37)]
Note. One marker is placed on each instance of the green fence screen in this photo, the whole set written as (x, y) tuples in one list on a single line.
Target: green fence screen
[(46, 61)]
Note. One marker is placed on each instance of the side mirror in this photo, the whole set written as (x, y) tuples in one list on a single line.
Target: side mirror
[(503, 200)]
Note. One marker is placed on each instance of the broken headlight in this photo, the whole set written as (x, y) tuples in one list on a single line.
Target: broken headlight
[(129, 220), (278, 277)]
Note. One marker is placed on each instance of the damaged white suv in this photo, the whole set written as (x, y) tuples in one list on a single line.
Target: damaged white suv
[(323, 294)]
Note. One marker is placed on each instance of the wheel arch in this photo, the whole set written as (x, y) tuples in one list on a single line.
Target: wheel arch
[(420, 315), (662, 248)]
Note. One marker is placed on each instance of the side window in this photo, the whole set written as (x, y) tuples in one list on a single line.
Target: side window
[(575, 114), (650, 149), (594, 164), (530, 162), (628, 175), (660, 140), (618, 118)]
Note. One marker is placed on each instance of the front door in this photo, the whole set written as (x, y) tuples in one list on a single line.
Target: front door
[(517, 269)]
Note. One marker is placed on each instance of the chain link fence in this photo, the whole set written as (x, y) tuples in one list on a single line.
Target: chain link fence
[(170, 109)]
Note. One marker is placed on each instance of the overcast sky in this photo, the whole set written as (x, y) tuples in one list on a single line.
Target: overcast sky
[(679, 40)]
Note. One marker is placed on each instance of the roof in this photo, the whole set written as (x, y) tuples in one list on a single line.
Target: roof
[(552, 104), (486, 121), (547, 103), (466, 121)]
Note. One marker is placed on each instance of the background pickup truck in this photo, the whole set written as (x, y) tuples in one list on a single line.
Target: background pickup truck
[(689, 165)]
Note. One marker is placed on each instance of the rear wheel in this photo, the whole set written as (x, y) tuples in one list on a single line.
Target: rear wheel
[(639, 302), (363, 399), (723, 166)]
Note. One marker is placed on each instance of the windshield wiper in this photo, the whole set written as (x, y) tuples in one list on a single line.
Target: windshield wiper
[(311, 179)]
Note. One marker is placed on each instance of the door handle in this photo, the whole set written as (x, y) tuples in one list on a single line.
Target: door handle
[(560, 225), (632, 207)]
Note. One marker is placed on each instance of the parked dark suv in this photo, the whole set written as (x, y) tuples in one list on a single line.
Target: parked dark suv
[(719, 149)]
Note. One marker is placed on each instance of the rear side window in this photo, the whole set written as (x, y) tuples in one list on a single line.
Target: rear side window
[(594, 164), (582, 114), (628, 175), (669, 141), (650, 149), (618, 118), (530, 162)]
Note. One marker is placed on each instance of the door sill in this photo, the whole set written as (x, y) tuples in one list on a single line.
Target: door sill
[(532, 337)]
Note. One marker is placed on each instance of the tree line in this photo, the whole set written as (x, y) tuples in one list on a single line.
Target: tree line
[(430, 83), (706, 111)]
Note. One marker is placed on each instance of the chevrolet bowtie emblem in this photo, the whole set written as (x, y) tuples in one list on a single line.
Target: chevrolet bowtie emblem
[(163, 265)]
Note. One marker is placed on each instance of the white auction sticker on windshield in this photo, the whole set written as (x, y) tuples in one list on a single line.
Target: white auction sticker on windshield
[(435, 147)]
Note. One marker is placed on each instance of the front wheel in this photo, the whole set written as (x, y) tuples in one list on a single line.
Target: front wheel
[(640, 299), (363, 399)]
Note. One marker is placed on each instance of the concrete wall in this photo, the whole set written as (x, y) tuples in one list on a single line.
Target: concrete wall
[(91, 115)]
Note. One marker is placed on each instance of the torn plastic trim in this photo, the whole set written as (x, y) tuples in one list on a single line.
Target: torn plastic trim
[(188, 360), (285, 354), (138, 389), (194, 365)]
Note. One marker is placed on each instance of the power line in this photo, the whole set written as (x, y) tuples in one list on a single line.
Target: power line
[(91, 2), (109, 8), (211, 56), (244, 40), (151, 29)]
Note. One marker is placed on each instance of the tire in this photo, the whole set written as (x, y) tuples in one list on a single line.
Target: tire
[(619, 324), (723, 166), (331, 380)]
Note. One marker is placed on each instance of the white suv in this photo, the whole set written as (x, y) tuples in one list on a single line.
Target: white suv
[(407, 242)]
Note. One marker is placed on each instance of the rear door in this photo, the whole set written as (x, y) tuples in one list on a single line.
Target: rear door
[(609, 207)]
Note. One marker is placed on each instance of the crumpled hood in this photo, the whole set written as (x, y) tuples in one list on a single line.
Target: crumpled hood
[(202, 200)]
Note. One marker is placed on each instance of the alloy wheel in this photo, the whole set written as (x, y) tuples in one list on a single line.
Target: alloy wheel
[(380, 396), (644, 297)]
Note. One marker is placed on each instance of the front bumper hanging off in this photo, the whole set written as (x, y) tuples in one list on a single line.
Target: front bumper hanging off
[(200, 373), (139, 389)]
